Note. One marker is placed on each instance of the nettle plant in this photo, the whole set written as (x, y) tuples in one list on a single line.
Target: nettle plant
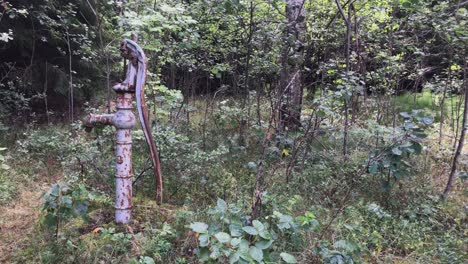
[(230, 238), (392, 159)]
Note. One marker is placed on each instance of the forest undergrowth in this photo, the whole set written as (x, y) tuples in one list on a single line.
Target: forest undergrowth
[(317, 206)]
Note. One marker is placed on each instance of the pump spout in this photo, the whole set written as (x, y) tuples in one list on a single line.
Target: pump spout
[(93, 120)]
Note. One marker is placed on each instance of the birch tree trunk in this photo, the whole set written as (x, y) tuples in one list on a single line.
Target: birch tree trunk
[(291, 88)]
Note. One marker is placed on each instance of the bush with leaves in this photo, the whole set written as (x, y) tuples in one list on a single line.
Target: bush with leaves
[(391, 159), (63, 202), (231, 238)]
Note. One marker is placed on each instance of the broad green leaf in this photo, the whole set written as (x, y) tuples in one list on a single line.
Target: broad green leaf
[(236, 241), (256, 254), (409, 125), (258, 225), (221, 205), (223, 237), (288, 258), (234, 258), (250, 230), (285, 222), (265, 234), (146, 260), (235, 230), (204, 240), (215, 253), (199, 227), (346, 245), (263, 244), (204, 254), (244, 246), (427, 120), (405, 115)]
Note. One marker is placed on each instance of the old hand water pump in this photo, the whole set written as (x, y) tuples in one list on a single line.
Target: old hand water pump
[(124, 121)]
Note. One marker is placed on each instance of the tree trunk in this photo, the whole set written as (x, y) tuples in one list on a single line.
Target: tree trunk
[(461, 141), (291, 77), (70, 82), (347, 52)]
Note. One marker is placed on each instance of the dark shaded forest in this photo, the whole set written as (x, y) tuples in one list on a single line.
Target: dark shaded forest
[(234, 131)]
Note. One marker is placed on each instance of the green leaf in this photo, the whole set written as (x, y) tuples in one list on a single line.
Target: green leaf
[(346, 245), (204, 240), (409, 125), (252, 165), (66, 201), (455, 67), (54, 190), (234, 258), (264, 244), (321, 113), (146, 260), (256, 254), (223, 237), (265, 234), (221, 205), (285, 222), (463, 175), (397, 151), (204, 254), (215, 253), (236, 241), (427, 120), (374, 168), (258, 225), (405, 115), (244, 246), (288, 258), (235, 230), (417, 148), (199, 227), (250, 230)]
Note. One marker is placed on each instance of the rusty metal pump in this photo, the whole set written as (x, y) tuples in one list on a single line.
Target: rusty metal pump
[(124, 121)]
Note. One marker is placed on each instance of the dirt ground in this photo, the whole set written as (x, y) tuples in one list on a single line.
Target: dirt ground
[(17, 221)]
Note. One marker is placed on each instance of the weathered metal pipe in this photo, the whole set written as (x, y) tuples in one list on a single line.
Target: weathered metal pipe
[(124, 121)]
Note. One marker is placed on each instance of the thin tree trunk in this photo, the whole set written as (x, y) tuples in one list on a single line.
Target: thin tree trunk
[(45, 94), (348, 45), (246, 92), (70, 80), (457, 129), (461, 141)]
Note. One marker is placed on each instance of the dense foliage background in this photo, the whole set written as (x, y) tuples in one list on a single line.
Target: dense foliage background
[(289, 131)]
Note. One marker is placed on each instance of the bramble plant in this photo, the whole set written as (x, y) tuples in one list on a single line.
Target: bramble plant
[(393, 156), (63, 202), (230, 238)]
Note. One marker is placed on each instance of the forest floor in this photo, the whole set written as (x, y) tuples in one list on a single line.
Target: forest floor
[(18, 219)]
